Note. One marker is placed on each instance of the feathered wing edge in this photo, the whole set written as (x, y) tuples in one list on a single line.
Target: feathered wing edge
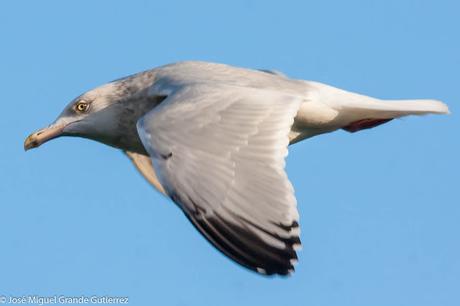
[(254, 241), (242, 244)]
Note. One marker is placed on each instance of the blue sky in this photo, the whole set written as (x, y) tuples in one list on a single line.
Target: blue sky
[(379, 209)]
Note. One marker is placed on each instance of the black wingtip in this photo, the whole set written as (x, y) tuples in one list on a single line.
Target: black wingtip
[(246, 248)]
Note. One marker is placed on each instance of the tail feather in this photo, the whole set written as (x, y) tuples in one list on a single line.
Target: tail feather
[(327, 109), (395, 108), (352, 106)]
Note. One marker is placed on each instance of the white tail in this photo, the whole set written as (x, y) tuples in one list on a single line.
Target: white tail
[(327, 109), (357, 107)]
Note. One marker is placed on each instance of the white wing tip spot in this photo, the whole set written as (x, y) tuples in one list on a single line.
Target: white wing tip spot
[(261, 271), (295, 231), (297, 247)]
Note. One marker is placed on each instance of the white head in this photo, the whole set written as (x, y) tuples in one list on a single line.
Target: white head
[(107, 114)]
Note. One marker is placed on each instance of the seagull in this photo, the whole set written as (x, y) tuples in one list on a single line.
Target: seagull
[(213, 138)]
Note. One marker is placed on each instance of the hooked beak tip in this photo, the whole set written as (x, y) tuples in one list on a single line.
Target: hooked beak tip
[(31, 142), (38, 138)]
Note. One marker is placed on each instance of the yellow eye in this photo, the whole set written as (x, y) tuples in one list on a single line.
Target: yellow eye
[(82, 107)]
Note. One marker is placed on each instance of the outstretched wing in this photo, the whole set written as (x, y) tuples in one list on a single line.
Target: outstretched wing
[(219, 153)]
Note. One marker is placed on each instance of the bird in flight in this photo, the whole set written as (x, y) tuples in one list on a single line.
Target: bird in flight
[(214, 138)]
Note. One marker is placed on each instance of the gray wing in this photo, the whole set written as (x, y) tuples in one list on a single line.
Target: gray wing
[(219, 154)]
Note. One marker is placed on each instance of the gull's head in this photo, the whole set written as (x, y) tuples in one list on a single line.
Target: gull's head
[(107, 114)]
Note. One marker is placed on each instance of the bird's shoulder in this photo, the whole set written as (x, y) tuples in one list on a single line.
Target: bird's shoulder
[(188, 73)]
